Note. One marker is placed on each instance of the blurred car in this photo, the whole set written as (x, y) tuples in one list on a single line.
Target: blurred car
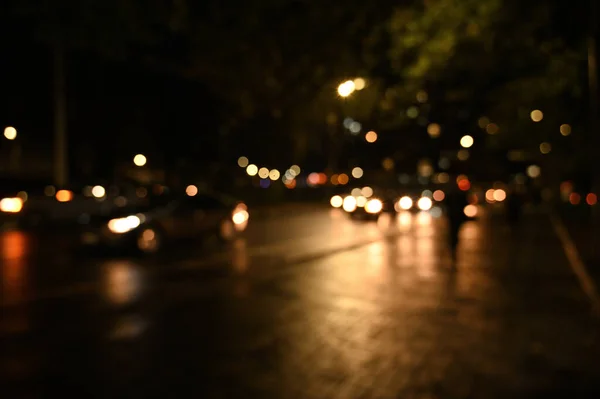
[(44, 205), (148, 228), (362, 207)]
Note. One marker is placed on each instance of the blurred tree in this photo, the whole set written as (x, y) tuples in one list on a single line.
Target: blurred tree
[(499, 58)]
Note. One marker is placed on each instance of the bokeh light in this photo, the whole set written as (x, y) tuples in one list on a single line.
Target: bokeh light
[(492, 128), (349, 204), (252, 170), (367, 192), (191, 190), (434, 130), (499, 195), (471, 211), (371, 137), (263, 173), (98, 191), (467, 141), (534, 171), (274, 174), (243, 162), (545, 148), (359, 83), (336, 201), (346, 88), (565, 129), (10, 133), (439, 195), (483, 122), (537, 115), (343, 179), (412, 112), (357, 172), (139, 160), (64, 196), (463, 155)]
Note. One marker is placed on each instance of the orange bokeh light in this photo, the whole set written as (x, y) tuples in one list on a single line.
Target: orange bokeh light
[(464, 185), (64, 196)]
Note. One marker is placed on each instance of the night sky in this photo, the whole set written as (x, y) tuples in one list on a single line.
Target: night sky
[(119, 108)]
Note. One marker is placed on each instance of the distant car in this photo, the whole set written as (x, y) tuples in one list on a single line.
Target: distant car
[(148, 228)]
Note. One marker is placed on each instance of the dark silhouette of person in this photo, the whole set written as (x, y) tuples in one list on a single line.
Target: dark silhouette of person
[(514, 206), (456, 201)]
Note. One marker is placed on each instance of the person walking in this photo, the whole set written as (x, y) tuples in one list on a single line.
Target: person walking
[(456, 201)]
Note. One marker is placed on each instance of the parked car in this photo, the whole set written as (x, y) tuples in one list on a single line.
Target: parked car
[(149, 227)]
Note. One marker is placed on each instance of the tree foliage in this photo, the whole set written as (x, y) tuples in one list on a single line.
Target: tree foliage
[(493, 56)]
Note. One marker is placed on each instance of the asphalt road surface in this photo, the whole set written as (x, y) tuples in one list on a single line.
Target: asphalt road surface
[(307, 305)]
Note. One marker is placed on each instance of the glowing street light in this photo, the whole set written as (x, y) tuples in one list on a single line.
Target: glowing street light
[(139, 160), (537, 115), (346, 88), (10, 133), (467, 141), (359, 83)]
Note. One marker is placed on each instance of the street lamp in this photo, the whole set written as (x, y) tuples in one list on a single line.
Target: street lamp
[(466, 141), (10, 133), (139, 160), (346, 88)]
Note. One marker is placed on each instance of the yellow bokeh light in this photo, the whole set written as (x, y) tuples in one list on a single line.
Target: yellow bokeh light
[(274, 174), (139, 160), (492, 128), (336, 201), (357, 172), (545, 148), (64, 196), (388, 164), (483, 122), (98, 191), (422, 96), (434, 130), (191, 190), (263, 173), (463, 155), (467, 141), (251, 170), (534, 171), (371, 137), (565, 129), (499, 195), (359, 83), (10, 133), (243, 162), (346, 88), (537, 115), (471, 211)]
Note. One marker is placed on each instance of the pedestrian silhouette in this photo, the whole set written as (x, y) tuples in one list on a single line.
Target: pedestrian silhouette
[(456, 201), (514, 206)]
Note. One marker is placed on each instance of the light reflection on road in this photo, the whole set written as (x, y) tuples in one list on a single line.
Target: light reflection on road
[(16, 281)]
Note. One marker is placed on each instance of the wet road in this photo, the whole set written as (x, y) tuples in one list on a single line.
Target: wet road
[(310, 305)]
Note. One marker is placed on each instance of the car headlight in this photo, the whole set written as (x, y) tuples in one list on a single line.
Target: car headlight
[(11, 205), (349, 204), (425, 203), (374, 206), (124, 225), (405, 203), (240, 216)]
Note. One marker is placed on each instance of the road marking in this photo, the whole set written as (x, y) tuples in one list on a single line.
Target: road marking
[(576, 263)]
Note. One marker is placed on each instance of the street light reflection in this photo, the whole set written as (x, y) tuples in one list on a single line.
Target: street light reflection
[(15, 278), (123, 282)]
